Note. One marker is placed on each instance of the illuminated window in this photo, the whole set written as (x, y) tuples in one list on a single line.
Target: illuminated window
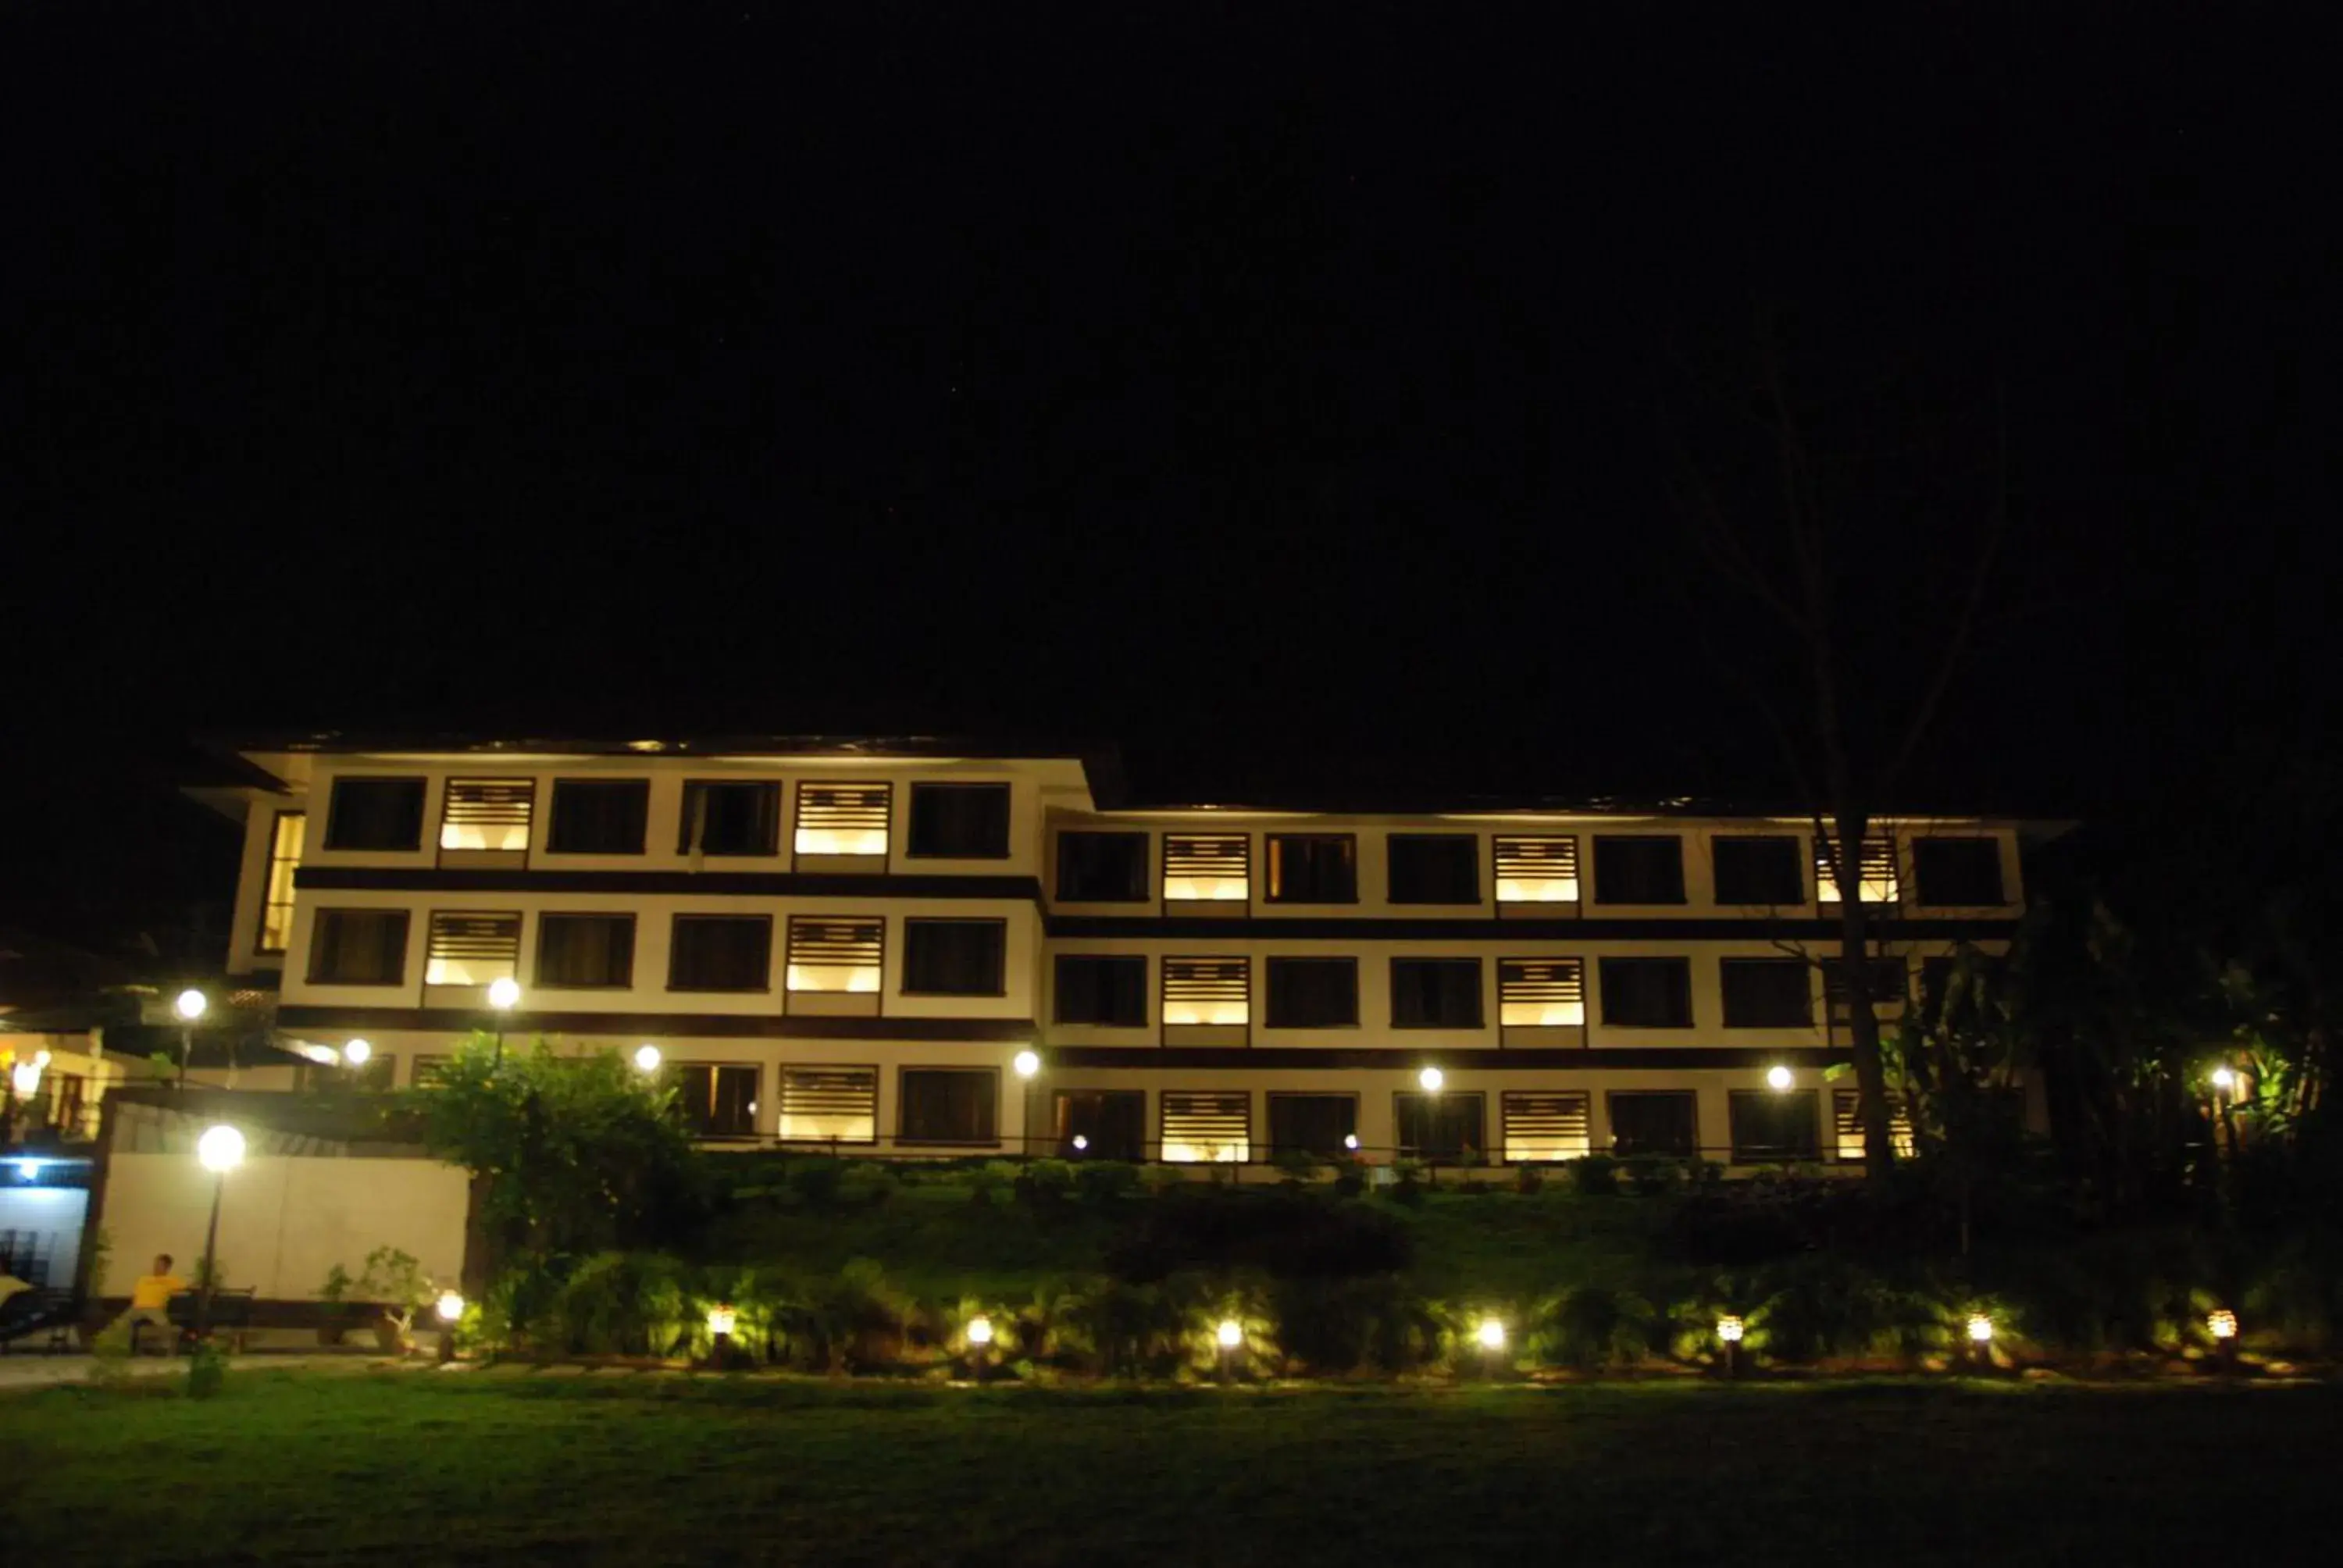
[(828, 953), (1101, 868), (598, 816), (1207, 990), (1766, 993), (950, 1105), (1541, 993), (843, 818), (469, 949), (728, 817), (1326, 1125), (1211, 866), (1639, 869), (1444, 1126), (1435, 993), (585, 952), (1760, 869), (830, 1104), (1313, 869), (1210, 1129), (1102, 989), (358, 947), (716, 1100), (277, 891), (1541, 1128), (486, 814), (1542, 871), (1772, 1125), (1434, 868), (374, 814), (1846, 1125), (1877, 881), (1100, 1123)]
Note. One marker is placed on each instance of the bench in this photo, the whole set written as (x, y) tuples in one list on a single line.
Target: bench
[(231, 1314)]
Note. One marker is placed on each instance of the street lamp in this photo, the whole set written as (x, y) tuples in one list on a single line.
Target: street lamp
[(219, 1150), (979, 1339), (1779, 1077), (1026, 1064), (1431, 1078), (355, 1053), (1229, 1335), (1729, 1330), (1981, 1339), (647, 1059), (504, 995), (450, 1308), (191, 1005)]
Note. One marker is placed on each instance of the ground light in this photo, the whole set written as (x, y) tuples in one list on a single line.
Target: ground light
[(979, 1341), (2222, 1325), (1981, 1340), (1729, 1330), (1432, 1077), (1779, 1077), (219, 1150), (450, 1308), (2225, 1077), (1230, 1333), (647, 1058), (721, 1320), (1491, 1333), (355, 1053)]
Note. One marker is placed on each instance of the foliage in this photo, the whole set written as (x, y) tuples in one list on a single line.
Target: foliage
[(1590, 1327), (1652, 1175), (206, 1369), (1595, 1175)]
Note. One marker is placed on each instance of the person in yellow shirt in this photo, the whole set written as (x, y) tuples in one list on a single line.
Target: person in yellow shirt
[(150, 1300)]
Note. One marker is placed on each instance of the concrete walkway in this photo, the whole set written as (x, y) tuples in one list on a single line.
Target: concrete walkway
[(37, 1370)]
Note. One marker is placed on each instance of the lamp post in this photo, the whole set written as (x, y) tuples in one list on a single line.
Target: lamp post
[(191, 1005), (647, 1059), (1027, 1065), (979, 1341), (220, 1151), (450, 1309), (721, 1321), (2222, 1325), (1729, 1330), (357, 1053), (504, 995), (1779, 1079), (1229, 1336), (1492, 1337), (1980, 1331)]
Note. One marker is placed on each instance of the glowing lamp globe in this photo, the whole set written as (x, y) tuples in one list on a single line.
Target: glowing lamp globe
[(1778, 1078), (1492, 1334), (721, 1320), (979, 1330), (220, 1149), (450, 1306), (2225, 1079), (1730, 1329), (1230, 1333), (1980, 1329), (504, 993), (1027, 1063), (355, 1053), (647, 1058), (1350, 1140), (192, 1004), (1432, 1077), (1081, 1143), (2221, 1324)]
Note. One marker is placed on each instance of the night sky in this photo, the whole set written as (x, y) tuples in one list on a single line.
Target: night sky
[(1295, 402)]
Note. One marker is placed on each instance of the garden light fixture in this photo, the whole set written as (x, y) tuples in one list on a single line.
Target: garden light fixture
[(1230, 1333), (220, 1150), (979, 1330), (504, 993), (2225, 1077), (1351, 1141), (25, 1078), (721, 1319), (1980, 1329), (2222, 1325), (1081, 1143), (1492, 1334), (450, 1306), (1730, 1329)]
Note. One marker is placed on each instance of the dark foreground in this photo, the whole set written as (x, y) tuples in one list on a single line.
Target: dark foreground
[(417, 1467)]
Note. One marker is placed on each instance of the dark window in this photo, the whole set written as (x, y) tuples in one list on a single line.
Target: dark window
[(1445, 1126), (1434, 868), (358, 947), (954, 958), (948, 1105), (1647, 993), (1099, 989), (960, 822), (1102, 868), (726, 818), (1957, 870), (720, 952), (717, 1100), (376, 814), (598, 816), (585, 952), (1758, 870), (1100, 1123), (1766, 993), (1770, 1125), (1312, 993), (1321, 1124), (1887, 981), (1435, 993), (1647, 869), (1313, 869), (1659, 1122)]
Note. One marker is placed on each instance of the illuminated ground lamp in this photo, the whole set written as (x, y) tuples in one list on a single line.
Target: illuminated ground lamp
[(504, 995), (721, 1321), (1491, 1335), (450, 1308), (2222, 1325), (1729, 1330), (1229, 1336), (979, 1342), (1981, 1340), (219, 1150)]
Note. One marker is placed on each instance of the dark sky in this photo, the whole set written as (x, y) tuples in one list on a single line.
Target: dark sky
[(1294, 400)]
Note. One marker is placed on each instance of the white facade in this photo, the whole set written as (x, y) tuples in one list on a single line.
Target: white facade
[(836, 844)]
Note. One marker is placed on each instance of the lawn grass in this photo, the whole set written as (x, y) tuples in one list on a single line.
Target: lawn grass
[(420, 1467)]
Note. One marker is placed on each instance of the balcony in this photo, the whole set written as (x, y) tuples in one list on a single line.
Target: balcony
[(1537, 876), (485, 821), (1208, 869), (1541, 1002), (834, 966), (843, 826), (1207, 1001)]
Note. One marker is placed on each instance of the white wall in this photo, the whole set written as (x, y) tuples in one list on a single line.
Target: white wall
[(284, 1221)]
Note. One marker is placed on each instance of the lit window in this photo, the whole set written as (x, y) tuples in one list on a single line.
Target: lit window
[(830, 1104), (277, 894), (1543, 1127), (1542, 993), (469, 949), (835, 955), (1846, 1125), (1213, 1129), (1537, 870), (1217, 867), (1875, 878), (486, 814), (1207, 991), (843, 818)]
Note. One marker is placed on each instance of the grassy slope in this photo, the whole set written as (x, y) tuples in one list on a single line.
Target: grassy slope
[(622, 1468)]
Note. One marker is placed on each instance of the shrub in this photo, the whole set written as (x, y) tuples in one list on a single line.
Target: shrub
[(816, 1180), (207, 1370), (1590, 1327), (1332, 1327), (623, 1304), (1105, 1182), (837, 1324), (1129, 1330), (1298, 1166), (1528, 1179), (1595, 1176), (1822, 1305), (1044, 1183), (1281, 1230), (1654, 1175), (866, 1183)]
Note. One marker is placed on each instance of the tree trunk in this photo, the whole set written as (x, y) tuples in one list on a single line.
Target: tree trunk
[(1863, 1018)]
